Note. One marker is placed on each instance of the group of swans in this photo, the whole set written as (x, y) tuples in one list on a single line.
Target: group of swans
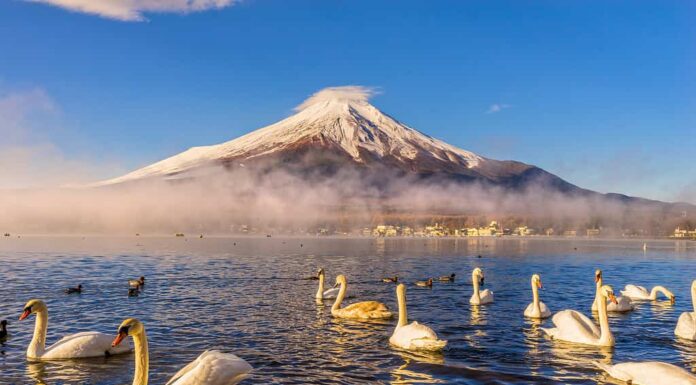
[(574, 327), (210, 368)]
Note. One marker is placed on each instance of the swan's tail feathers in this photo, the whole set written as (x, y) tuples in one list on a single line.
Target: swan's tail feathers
[(429, 344)]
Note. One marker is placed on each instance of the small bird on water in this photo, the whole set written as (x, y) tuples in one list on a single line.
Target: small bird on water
[(447, 278), (428, 283), (393, 279), (136, 282), (3, 329), (74, 290)]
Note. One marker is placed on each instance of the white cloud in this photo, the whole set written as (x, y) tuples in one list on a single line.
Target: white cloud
[(356, 94), (497, 107), (133, 10)]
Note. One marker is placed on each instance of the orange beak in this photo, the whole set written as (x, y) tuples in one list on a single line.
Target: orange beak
[(120, 337), (25, 314), (540, 285), (596, 279), (612, 298)]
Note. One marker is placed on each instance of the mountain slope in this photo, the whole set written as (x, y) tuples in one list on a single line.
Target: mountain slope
[(338, 128)]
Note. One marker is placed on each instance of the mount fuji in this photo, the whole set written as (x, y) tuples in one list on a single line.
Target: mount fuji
[(337, 129)]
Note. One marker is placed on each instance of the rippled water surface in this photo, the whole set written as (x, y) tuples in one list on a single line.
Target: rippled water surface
[(247, 296)]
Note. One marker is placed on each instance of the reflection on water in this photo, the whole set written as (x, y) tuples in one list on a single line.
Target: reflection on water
[(244, 295)]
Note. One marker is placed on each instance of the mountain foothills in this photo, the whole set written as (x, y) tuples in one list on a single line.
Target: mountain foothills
[(354, 163)]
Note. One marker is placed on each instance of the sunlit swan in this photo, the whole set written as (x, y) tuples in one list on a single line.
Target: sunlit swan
[(536, 309), (686, 326), (136, 282), (325, 294), (572, 326), (479, 297), (210, 368), (640, 293), (649, 373), (413, 336), (79, 345), (623, 304), (360, 310)]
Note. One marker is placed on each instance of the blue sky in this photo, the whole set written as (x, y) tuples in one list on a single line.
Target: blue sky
[(600, 93)]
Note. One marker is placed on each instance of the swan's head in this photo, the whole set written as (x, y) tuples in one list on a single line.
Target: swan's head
[(340, 280), (400, 289), (320, 272), (129, 327), (33, 306), (597, 275), (536, 281), (608, 292), (477, 274)]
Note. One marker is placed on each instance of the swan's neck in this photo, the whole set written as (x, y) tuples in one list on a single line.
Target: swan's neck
[(403, 316), (339, 297), (605, 336), (597, 286), (535, 301), (37, 346), (320, 291), (693, 296), (659, 289), (475, 281), (142, 361)]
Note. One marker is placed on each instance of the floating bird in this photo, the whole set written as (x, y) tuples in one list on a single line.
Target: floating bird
[(393, 279), (536, 309), (447, 278), (428, 283), (575, 327), (649, 373), (686, 326), (321, 293), (413, 336), (3, 329), (79, 345), (359, 310), (623, 304), (136, 282), (212, 367), (74, 290), (640, 293), (479, 297)]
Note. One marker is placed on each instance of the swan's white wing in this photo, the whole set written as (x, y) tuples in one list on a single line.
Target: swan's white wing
[(623, 304), (486, 296), (649, 373), (635, 292), (574, 327), (545, 311), (331, 293), (416, 336), (212, 368), (83, 345), (686, 326)]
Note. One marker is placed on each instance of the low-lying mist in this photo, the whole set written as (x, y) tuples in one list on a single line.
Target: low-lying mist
[(221, 201)]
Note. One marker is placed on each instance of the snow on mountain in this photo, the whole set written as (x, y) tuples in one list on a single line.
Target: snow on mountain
[(336, 118)]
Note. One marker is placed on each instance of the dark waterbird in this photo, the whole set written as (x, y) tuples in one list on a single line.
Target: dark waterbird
[(447, 278), (428, 283), (74, 290), (3, 329), (136, 282), (393, 279)]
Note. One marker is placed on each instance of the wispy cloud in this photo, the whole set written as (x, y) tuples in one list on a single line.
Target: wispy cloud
[(497, 107), (134, 10)]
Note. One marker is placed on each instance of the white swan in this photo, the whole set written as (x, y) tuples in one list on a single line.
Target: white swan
[(635, 292), (686, 326), (483, 297), (79, 345), (360, 310), (413, 336), (649, 373), (325, 294), (536, 309), (572, 326), (210, 368), (623, 304)]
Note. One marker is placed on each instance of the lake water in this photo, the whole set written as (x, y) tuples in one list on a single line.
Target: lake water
[(246, 296)]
